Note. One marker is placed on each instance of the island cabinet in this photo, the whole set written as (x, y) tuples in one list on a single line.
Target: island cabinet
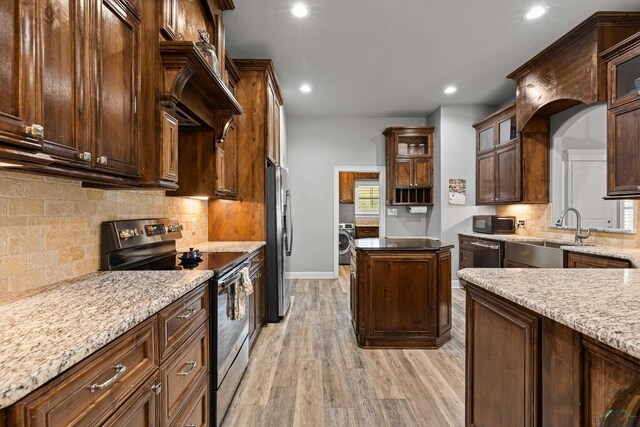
[(401, 293), (409, 165), (524, 369), (623, 136), (156, 374)]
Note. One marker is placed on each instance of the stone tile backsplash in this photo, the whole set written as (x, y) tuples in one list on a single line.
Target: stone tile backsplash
[(538, 218), (50, 227)]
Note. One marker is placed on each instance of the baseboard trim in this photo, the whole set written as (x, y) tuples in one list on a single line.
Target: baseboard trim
[(310, 275), (455, 284)]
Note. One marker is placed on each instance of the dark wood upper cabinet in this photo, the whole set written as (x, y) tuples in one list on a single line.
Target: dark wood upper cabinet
[(347, 187), (409, 165), (511, 166), (623, 135), (274, 101), (118, 90)]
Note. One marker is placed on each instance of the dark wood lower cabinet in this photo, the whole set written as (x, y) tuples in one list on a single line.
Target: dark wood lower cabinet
[(131, 381), (256, 304), (502, 363), (524, 369)]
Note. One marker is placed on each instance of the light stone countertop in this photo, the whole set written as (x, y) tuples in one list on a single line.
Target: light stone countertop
[(47, 331), (362, 222), (220, 246), (603, 304), (629, 254)]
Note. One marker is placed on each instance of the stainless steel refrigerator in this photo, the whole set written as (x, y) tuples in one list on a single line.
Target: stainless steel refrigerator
[(279, 242)]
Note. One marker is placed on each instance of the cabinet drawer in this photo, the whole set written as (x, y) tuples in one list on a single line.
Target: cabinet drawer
[(256, 262), (466, 257), (180, 319), (591, 261), (183, 373), (91, 391), (139, 409), (465, 243), (366, 232), (196, 411)]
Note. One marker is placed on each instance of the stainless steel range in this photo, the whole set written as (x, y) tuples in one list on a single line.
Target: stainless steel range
[(150, 244)]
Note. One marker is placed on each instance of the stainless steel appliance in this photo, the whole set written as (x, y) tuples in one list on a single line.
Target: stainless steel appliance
[(150, 244), (494, 224), (486, 254), (346, 236), (279, 242)]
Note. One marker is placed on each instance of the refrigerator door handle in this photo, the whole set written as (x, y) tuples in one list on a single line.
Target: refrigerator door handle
[(288, 222)]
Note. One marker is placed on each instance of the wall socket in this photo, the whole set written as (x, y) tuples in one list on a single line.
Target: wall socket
[(392, 211), (521, 224)]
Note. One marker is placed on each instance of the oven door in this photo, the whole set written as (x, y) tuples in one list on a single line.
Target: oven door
[(231, 333)]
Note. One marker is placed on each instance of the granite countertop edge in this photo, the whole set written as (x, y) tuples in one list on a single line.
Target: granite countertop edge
[(612, 338), (228, 246), (28, 356)]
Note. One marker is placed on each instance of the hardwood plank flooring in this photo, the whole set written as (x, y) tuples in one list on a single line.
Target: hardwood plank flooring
[(309, 371)]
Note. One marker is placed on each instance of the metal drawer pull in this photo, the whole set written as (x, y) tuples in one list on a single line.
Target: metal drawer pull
[(192, 366), (190, 425), (156, 388), (187, 313), (120, 369), (482, 245)]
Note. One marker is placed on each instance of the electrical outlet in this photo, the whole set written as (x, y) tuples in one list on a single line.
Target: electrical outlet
[(521, 224), (392, 211)]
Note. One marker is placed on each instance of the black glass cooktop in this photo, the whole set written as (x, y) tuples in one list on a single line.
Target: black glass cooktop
[(219, 262)]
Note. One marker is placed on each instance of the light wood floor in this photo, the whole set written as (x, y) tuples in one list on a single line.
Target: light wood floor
[(309, 371)]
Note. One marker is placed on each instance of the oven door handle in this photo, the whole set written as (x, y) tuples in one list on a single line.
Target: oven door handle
[(485, 246), (224, 283)]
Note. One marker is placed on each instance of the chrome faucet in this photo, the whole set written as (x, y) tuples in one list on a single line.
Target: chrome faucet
[(579, 236)]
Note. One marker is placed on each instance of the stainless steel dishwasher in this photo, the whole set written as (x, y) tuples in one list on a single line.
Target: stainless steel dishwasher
[(486, 254)]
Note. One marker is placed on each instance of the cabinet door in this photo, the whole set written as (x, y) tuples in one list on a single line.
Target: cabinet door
[(501, 385), (509, 174), (353, 296), (169, 153), (17, 74), (347, 184), (272, 132), (276, 129), (423, 172), (118, 86), (486, 139), (486, 178), (403, 176), (623, 145), (65, 74), (231, 162), (221, 159)]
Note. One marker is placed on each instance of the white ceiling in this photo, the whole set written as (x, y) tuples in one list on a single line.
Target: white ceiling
[(393, 58)]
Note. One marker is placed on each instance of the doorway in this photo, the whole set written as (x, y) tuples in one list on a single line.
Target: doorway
[(359, 208)]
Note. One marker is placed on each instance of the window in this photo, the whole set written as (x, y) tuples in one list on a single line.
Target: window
[(627, 214), (367, 198)]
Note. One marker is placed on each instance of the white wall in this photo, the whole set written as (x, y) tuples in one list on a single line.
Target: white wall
[(578, 127), (457, 159), (315, 146)]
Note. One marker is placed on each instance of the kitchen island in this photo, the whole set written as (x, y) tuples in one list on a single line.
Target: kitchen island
[(401, 293), (552, 346)]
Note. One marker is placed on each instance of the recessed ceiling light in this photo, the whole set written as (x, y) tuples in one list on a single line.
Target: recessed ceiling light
[(299, 10), (305, 88), (535, 12), (449, 90)]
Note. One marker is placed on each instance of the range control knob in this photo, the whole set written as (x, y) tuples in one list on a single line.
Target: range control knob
[(128, 233), (174, 228)]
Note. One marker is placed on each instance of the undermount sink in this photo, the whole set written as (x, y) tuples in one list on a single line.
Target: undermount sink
[(537, 253)]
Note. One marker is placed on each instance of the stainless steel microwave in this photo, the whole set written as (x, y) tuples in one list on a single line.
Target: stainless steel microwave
[(494, 224)]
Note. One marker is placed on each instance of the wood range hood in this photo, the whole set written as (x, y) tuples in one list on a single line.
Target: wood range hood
[(570, 71), (192, 92)]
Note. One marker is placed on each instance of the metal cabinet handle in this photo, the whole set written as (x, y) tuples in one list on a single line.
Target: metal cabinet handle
[(482, 245), (35, 130), (120, 369), (156, 388), (187, 313), (192, 366), (102, 160), (190, 425), (86, 156)]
